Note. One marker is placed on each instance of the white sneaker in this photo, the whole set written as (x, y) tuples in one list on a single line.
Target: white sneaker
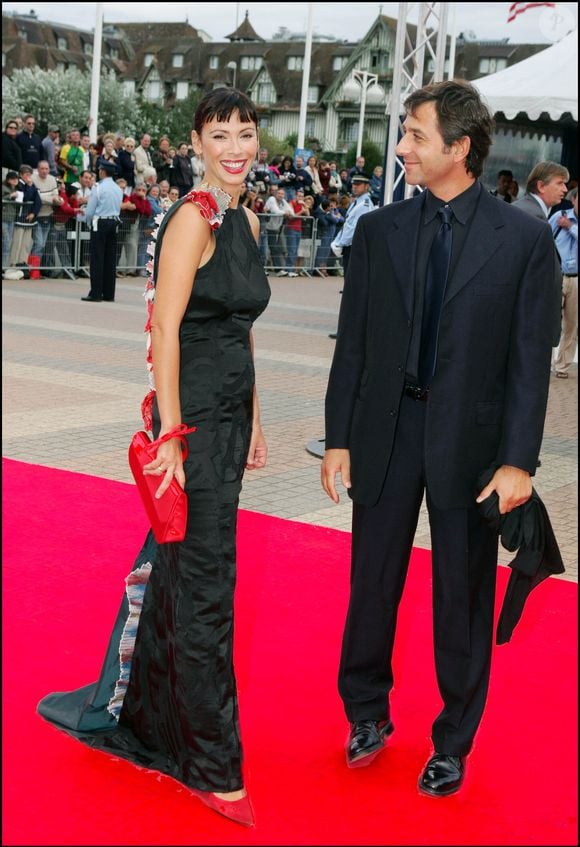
[(292, 273), (282, 273)]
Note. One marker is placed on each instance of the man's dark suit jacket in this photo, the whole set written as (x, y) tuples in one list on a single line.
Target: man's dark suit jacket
[(489, 393)]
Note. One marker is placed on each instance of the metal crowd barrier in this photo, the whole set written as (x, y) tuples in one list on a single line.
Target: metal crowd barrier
[(54, 248), (287, 251)]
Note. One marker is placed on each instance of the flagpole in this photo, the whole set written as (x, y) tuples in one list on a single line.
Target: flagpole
[(305, 80), (96, 74)]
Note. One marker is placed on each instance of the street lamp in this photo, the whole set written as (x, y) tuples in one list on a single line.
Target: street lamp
[(366, 82), (234, 68)]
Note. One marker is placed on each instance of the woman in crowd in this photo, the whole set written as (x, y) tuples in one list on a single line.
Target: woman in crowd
[(287, 177), (126, 161), (312, 169)]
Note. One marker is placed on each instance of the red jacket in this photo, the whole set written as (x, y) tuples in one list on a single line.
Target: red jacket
[(67, 210)]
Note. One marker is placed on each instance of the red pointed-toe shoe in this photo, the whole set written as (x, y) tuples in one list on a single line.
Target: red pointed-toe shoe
[(239, 811)]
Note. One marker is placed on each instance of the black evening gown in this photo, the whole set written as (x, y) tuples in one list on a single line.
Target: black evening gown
[(166, 698)]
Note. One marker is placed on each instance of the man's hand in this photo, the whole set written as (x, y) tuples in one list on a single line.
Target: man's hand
[(513, 487), (564, 222), (336, 249), (335, 461)]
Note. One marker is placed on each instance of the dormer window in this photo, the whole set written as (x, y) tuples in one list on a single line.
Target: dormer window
[(250, 63), (295, 63), (147, 59), (62, 43), (23, 34), (88, 48), (491, 66), (177, 60), (339, 62), (113, 53), (213, 63)]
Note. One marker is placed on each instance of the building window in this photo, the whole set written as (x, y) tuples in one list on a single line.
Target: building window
[(181, 90), (339, 62), (62, 43), (349, 131), (153, 90), (147, 59), (251, 63), (295, 63), (177, 60), (88, 48), (213, 63), (61, 67), (266, 93), (113, 53), (312, 94), (431, 66), (491, 66), (3, 60), (309, 127), (264, 123), (23, 34), (129, 87)]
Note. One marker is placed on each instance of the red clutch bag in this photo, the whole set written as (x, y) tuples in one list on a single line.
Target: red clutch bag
[(167, 514)]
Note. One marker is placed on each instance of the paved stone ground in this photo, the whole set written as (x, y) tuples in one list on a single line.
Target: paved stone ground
[(74, 377)]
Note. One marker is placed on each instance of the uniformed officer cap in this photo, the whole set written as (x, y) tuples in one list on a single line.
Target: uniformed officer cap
[(108, 167), (357, 178)]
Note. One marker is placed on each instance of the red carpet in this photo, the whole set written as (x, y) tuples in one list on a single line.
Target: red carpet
[(69, 541)]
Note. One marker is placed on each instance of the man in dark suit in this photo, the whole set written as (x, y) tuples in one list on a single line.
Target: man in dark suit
[(441, 369), (546, 187)]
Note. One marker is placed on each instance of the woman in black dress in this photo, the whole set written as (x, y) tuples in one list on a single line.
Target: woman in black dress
[(166, 698)]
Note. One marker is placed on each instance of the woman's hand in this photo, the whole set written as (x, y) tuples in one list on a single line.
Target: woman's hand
[(258, 452), (168, 463)]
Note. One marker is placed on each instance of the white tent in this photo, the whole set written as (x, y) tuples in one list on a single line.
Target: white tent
[(546, 82)]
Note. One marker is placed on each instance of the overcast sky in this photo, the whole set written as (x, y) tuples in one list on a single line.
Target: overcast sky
[(349, 21)]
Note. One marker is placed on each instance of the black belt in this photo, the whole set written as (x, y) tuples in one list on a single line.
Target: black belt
[(572, 275), (416, 392)]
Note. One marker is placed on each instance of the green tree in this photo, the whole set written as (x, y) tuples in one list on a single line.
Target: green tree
[(63, 98), (373, 156)]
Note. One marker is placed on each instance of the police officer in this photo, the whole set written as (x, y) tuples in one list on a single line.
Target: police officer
[(360, 205), (102, 216)]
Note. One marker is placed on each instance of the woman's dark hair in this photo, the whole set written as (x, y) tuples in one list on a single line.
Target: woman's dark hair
[(220, 103), (460, 112)]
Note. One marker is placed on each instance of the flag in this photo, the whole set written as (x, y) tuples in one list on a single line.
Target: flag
[(517, 9)]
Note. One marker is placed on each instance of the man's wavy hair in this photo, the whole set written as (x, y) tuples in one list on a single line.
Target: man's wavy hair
[(460, 112), (221, 103)]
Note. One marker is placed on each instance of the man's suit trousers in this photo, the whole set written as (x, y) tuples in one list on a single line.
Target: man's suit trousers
[(464, 552)]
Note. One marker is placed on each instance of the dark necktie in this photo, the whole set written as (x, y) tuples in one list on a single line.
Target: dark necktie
[(435, 282)]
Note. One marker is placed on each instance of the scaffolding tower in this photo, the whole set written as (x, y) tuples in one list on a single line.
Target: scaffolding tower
[(408, 75)]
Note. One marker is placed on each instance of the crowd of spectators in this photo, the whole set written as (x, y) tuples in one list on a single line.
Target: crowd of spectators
[(46, 182)]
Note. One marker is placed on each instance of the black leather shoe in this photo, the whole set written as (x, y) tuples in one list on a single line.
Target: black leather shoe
[(365, 741), (332, 334), (109, 299), (443, 775), (89, 299)]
